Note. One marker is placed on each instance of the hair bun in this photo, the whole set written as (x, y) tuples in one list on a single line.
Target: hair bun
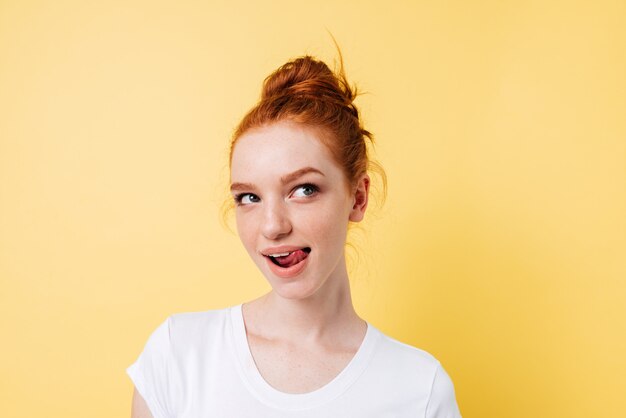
[(306, 91), (308, 78)]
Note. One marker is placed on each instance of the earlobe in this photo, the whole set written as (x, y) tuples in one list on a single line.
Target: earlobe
[(361, 196)]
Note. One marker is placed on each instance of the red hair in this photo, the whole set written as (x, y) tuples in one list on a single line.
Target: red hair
[(307, 92)]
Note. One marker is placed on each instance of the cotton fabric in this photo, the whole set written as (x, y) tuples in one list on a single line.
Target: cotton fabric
[(199, 364)]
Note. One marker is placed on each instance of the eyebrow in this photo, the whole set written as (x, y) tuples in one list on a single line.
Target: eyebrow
[(287, 178)]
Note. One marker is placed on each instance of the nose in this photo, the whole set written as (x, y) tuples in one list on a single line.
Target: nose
[(276, 223)]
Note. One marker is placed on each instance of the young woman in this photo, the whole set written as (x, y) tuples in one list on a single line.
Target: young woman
[(299, 177)]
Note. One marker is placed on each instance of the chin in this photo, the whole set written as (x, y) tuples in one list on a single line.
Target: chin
[(296, 290)]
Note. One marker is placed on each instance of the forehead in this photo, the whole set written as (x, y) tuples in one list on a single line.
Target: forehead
[(279, 149)]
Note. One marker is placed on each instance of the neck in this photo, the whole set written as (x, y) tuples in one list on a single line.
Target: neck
[(324, 315)]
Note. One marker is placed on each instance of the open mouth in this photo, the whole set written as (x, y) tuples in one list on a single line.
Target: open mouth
[(290, 258)]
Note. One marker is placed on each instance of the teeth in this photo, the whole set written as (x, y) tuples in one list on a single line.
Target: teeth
[(280, 254)]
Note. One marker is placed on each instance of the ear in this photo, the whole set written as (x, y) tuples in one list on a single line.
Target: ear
[(361, 196)]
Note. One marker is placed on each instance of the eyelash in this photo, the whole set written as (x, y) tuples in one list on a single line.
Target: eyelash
[(239, 197), (309, 185)]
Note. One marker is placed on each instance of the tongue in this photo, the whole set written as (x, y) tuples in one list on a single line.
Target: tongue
[(291, 259)]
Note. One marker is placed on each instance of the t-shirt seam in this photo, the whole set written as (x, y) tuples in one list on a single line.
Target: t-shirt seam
[(365, 367), (168, 355), (148, 397), (432, 386), (236, 354), (261, 398), (160, 411)]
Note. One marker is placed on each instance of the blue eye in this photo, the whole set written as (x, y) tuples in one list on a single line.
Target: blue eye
[(305, 190), (246, 199)]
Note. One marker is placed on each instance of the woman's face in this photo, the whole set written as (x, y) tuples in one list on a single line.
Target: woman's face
[(293, 206)]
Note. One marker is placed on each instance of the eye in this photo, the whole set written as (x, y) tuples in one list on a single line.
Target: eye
[(305, 190), (246, 199)]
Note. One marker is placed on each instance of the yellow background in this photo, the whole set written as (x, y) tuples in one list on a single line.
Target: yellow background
[(501, 249)]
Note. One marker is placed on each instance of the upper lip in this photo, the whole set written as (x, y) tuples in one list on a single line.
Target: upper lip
[(281, 249)]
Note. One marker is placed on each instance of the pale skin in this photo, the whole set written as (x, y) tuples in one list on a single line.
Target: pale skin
[(305, 331)]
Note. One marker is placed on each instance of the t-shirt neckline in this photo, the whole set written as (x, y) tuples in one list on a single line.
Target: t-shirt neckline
[(290, 401)]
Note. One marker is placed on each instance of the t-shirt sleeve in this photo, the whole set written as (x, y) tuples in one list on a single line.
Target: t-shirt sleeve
[(442, 401), (151, 372)]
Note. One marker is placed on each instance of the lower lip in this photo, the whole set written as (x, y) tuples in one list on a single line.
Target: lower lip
[(287, 272)]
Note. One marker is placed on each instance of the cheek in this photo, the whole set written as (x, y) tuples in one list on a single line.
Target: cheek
[(245, 230), (328, 227)]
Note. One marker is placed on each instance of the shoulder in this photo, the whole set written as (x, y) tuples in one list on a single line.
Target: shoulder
[(187, 329), (407, 357), (172, 355), (184, 323), (420, 373), (192, 328)]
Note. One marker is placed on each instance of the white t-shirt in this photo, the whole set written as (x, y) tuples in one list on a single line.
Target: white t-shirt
[(199, 364)]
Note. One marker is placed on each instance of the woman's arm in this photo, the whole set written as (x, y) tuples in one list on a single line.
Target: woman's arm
[(139, 408)]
